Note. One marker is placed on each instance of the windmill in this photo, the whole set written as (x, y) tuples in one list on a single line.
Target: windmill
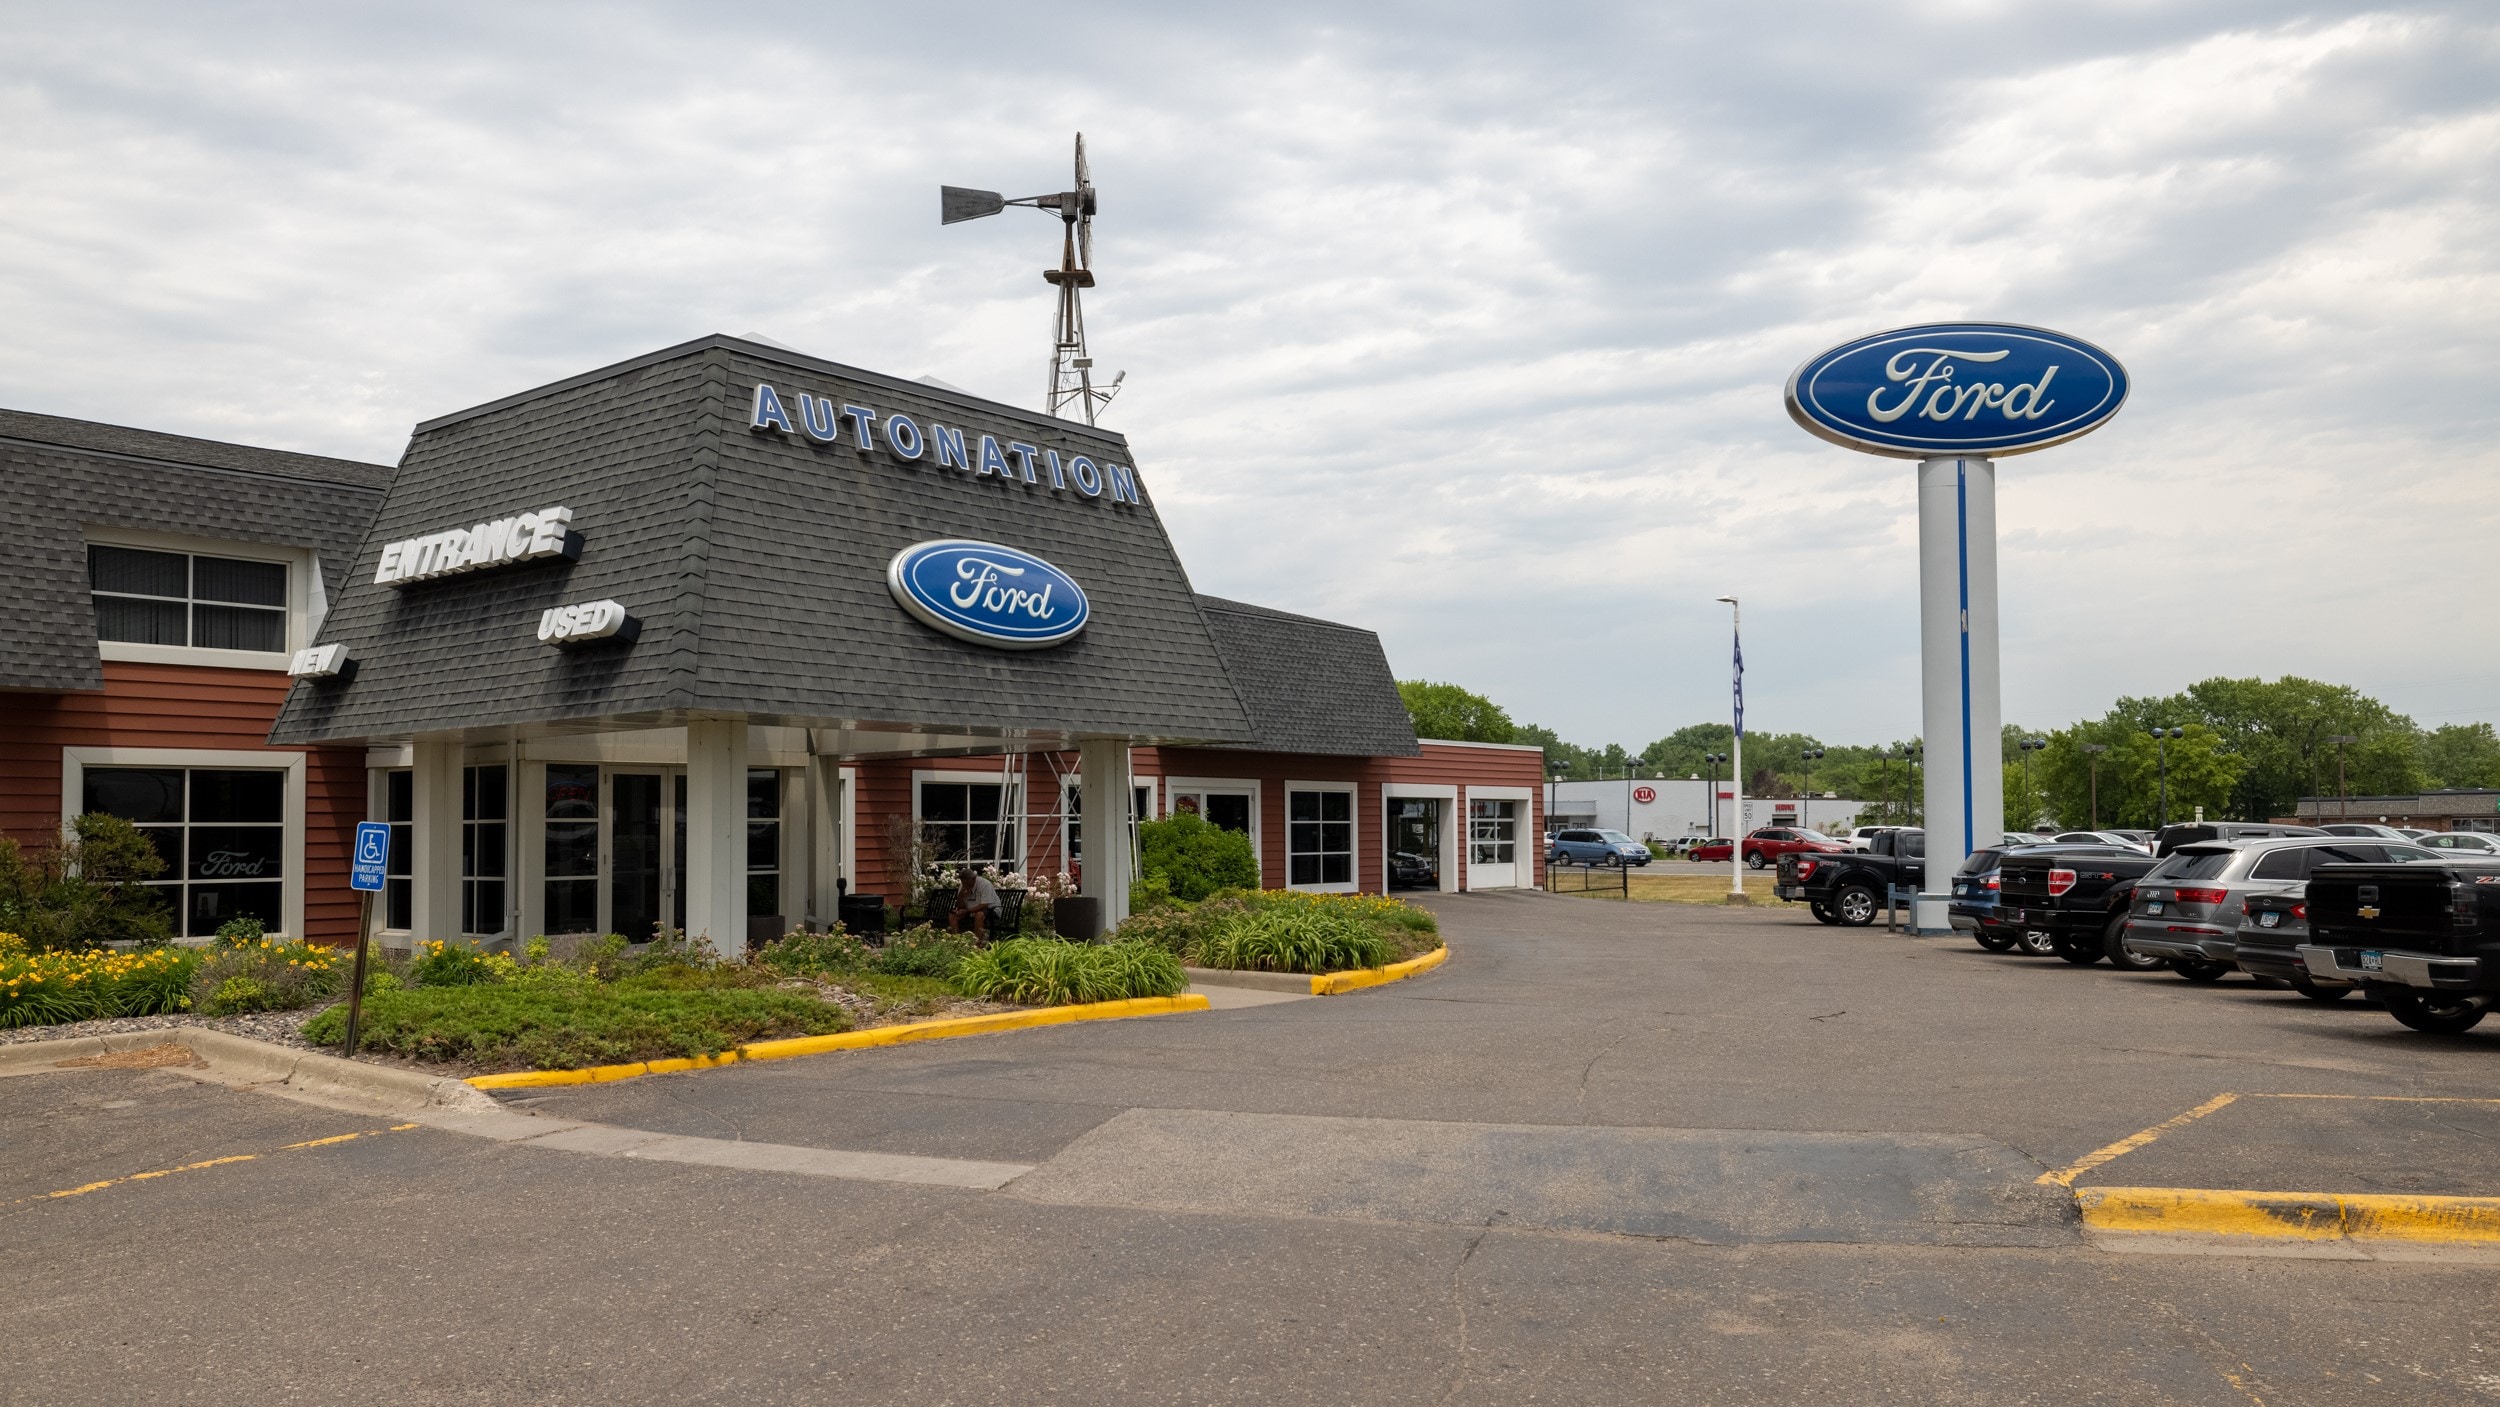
[(1071, 366)]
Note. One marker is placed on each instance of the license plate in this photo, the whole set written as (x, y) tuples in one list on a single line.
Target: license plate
[(2153, 907), (2370, 961), (2269, 920)]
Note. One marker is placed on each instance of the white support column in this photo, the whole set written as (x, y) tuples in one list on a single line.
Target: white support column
[(1963, 714), (434, 862), (1107, 805), (716, 833)]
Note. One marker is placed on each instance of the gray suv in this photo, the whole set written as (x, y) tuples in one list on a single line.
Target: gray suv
[(2188, 909)]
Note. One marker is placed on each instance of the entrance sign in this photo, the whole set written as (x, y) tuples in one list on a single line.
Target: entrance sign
[(1957, 388), (523, 537), (990, 595), (373, 852), (1950, 395)]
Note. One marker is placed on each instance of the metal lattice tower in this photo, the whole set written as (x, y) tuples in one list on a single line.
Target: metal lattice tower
[(1071, 364)]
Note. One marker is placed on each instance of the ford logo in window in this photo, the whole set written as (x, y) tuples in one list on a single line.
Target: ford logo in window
[(1957, 388), (988, 594)]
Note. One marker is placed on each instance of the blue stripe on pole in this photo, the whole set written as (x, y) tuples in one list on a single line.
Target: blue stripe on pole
[(1740, 688)]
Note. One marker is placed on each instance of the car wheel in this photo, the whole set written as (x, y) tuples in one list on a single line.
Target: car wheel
[(1822, 911), (2114, 943), (2080, 954), (1756, 861), (2200, 969), (2036, 944), (1994, 942), (2316, 993), (2439, 1016), (1855, 906)]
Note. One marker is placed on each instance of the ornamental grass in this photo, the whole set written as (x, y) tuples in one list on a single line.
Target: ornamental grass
[(1277, 930), (1051, 972), (50, 988)]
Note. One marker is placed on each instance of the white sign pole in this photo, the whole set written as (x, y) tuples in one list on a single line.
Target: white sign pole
[(1963, 713)]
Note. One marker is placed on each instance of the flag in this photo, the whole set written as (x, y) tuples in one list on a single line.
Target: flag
[(1740, 688)]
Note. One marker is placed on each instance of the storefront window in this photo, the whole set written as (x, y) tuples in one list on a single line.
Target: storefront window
[(179, 598), (485, 815), (1492, 832), (572, 851), (969, 823), (399, 811), (222, 833), (1141, 808), (1319, 837), (763, 841)]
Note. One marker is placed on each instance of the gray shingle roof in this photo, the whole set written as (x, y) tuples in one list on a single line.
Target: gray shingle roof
[(1310, 685), (756, 564), (67, 476)]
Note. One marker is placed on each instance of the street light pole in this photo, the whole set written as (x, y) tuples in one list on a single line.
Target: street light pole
[(1805, 814), (2161, 742), (2094, 751), (2343, 806), (1714, 759), (2027, 747)]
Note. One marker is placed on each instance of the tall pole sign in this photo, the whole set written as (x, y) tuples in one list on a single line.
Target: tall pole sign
[(1955, 397)]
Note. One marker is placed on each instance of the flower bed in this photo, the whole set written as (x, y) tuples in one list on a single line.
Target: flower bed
[(47, 989)]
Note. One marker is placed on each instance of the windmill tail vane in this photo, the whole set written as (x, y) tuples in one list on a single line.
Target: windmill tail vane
[(1071, 363)]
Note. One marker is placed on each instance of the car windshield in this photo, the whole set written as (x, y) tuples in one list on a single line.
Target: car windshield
[(2192, 864), (1980, 862), (1617, 837)]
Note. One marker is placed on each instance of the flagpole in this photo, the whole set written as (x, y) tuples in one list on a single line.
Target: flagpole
[(1736, 759)]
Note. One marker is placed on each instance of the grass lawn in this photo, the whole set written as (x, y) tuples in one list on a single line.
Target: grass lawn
[(1689, 889)]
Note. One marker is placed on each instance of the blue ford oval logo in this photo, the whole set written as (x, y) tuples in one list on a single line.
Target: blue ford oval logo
[(988, 594), (1954, 388)]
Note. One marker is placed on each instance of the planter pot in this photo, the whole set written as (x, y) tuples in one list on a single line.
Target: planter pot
[(1078, 919)]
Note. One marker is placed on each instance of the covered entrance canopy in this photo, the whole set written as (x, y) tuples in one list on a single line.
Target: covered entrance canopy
[(676, 572)]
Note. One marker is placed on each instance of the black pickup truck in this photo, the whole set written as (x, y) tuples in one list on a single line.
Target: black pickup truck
[(1847, 887), (2078, 896), (2421, 938)]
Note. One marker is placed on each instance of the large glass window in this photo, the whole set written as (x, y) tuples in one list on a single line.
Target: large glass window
[(1141, 808), (399, 811), (485, 819), (183, 598), (222, 833), (1319, 837), (1492, 832), (572, 851), (763, 841), (969, 823)]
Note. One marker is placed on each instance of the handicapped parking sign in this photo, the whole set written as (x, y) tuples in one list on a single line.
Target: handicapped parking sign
[(373, 849)]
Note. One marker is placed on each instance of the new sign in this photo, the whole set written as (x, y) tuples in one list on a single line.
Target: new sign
[(988, 594), (521, 538), (1958, 388)]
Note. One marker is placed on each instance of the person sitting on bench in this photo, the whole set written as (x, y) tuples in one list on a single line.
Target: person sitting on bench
[(976, 902)]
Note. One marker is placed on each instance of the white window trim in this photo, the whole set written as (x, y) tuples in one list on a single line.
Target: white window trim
[(1354, 818), (304, 606), (1530, 837), (1453, 838), (1174, 787), (1070, 782), (1008, 780), (377, 807), (76, 760)]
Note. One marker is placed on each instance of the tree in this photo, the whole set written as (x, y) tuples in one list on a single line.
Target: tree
[(85, 890), (1448, 711), (2461, 755)]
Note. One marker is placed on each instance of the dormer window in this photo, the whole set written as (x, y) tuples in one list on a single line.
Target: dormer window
[(184, 598)]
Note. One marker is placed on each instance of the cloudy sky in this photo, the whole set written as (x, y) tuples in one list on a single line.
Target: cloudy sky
[(1466, 323)]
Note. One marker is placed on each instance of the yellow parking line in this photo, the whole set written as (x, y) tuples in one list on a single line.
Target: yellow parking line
[(208, 1163), (2065, 1176), (2386, 1098)]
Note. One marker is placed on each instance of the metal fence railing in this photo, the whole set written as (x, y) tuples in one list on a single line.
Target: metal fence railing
[(1605, 881)]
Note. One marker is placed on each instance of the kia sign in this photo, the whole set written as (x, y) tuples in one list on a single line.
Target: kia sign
[(1644, 795), (990, 595), (1957, 388)]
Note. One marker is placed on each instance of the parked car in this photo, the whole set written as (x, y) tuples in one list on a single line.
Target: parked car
[(1765, 844), (2365, 830), (2272, 928), (1974, 906), (1847, 887), (2422, 939), (2133, 838), (1408, 870), (2075, 900), (2460, 842), (1711, 849), (2172, 836), (2142, 840), (1596, 847), (2188, 910), (1862, 837)]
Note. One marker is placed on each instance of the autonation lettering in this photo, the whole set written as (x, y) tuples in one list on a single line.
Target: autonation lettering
[(825, 422), (2024, 401)]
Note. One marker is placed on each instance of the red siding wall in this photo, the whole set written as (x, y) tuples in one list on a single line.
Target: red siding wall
[(183, 706)]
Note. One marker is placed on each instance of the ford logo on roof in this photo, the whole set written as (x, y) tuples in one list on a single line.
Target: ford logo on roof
[(988, 594), (1957, 388)]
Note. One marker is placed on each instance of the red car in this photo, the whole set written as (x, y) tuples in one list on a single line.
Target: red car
[(1765, 845)]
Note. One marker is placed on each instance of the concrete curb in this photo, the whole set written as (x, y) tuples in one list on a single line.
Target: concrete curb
[(244, 1062), (2359, 1226), (849, 1040), (1336, 983), (1295, 982)]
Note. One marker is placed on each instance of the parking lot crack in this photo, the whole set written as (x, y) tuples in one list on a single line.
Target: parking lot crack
[(1602, 1052), (1458, 1298)]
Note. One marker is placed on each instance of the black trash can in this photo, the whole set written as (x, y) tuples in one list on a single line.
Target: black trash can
[(863, 915), (1078, 918)]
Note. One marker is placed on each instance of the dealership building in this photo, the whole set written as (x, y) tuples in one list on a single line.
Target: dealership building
[(705, 639)]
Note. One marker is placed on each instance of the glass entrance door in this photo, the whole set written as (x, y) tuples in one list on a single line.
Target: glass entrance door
[(634, 854), (1414, 842)]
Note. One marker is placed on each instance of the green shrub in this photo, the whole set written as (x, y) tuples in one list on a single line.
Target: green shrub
[(241, 931), (517, 1025), (816, 954), (85, 890), (232, 980), (923, 951), (1048, 972), (441, 964), (1150, 895), (1194, 858)]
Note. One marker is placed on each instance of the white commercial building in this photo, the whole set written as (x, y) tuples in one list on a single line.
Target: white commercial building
[(1675, 807)]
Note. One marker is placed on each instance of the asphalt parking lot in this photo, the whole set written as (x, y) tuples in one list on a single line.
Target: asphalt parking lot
[(1608, 1152)]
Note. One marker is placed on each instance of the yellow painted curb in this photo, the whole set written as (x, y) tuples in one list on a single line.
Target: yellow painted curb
[(2297, 1216), (1338, 982), (852, 1040)]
